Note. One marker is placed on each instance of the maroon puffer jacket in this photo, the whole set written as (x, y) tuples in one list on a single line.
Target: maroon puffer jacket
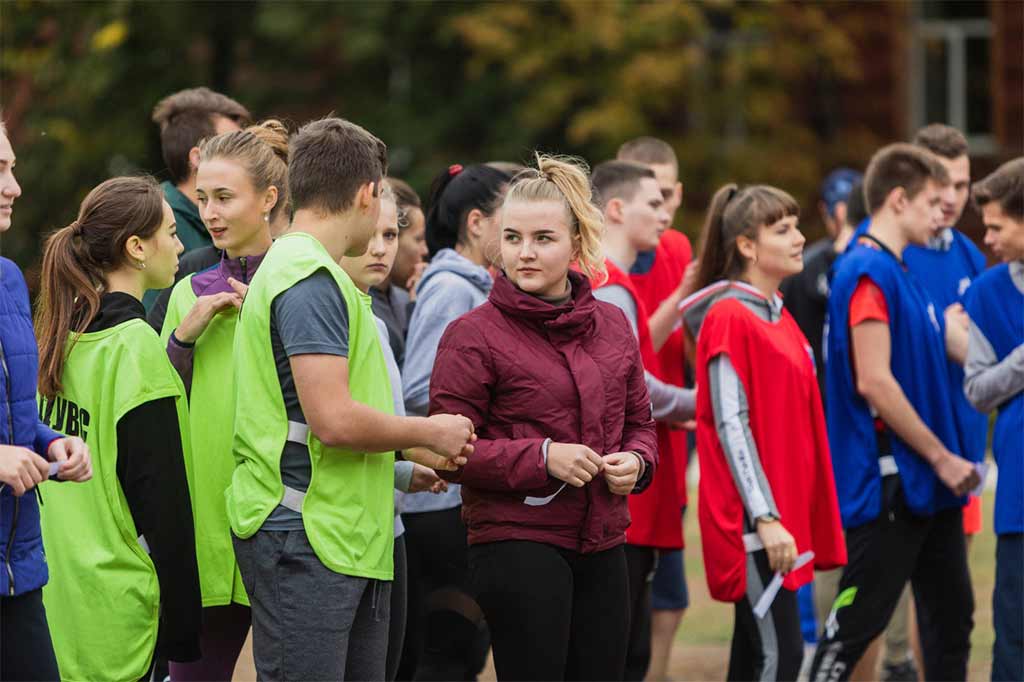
[(523, 370)]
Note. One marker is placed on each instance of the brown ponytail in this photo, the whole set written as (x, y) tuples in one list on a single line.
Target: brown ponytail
[(77, 258), (735, 213)]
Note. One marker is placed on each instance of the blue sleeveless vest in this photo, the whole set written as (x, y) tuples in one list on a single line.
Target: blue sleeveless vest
[(918, 363), (996, 306), (946, 275)]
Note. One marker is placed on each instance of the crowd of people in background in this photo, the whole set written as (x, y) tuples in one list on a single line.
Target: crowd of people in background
[(280, 393)]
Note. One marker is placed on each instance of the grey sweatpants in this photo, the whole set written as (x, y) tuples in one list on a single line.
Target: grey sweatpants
[(308, 622)]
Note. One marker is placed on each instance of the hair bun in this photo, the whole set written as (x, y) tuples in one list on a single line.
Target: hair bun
[(274, 134)]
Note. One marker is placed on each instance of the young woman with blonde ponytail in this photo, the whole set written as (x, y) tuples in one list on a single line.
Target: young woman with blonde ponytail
[(241, 185), (553, 382), (767, 495), (121, 547)]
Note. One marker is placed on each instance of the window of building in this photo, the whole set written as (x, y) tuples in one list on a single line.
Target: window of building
[(951, 77)]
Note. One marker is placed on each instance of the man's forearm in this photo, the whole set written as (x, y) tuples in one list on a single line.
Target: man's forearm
[(886, 396), (663, 321), (355, 426)]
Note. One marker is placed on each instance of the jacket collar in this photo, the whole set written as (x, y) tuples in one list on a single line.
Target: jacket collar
[(576, 316), (242, 268), (116, 308)]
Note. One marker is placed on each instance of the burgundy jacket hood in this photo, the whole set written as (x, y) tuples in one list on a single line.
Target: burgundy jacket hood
[(524, 371)]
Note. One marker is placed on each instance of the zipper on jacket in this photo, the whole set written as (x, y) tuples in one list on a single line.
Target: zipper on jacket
[(7, 387), (10, 440), (10, 545), (244, 260)]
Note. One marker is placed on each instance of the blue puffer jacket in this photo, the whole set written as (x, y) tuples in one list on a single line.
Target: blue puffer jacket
[(21, 543)]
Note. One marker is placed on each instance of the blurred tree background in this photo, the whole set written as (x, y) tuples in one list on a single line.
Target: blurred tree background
[(743, 91)]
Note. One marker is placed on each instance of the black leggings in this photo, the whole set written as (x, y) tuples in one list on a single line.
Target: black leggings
[(771, 648), (554, 614), (641, 563), (445, 638), (26, 651)]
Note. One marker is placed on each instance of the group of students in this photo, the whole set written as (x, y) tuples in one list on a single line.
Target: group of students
[(385, 468)]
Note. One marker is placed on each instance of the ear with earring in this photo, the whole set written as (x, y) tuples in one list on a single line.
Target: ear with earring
[(140, 264), (266, 217)]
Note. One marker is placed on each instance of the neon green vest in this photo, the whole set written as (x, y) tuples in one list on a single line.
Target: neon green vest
[(348, 509), (103, 598), (211, 414)]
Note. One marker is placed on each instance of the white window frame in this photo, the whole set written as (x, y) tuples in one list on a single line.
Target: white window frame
[(954, 32)]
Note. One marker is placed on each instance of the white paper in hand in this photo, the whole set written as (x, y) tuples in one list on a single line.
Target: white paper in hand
[(772, 591)]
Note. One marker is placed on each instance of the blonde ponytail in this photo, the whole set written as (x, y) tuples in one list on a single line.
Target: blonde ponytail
[(566, 179)]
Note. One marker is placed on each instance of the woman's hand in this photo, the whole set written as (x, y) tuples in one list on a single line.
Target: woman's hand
[(202, 313), (432, 460), (414, 280), (74, 458), (424, 479), (22, 469), (778, 544), (573, 463), (621, 471)]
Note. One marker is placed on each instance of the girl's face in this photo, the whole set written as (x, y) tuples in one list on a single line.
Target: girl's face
[(778, 250), (412, 247), (162, 251), (9, 188), (235, 214), (537, 246), (374, 266)]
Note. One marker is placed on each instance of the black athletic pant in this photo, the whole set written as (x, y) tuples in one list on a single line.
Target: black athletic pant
[(641, 563), (445, 638), (554, 614), (769, 648), (26, 651), (399, 599), (883, 554)]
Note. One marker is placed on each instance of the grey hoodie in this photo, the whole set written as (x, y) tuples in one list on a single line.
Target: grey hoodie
[(451, 286)]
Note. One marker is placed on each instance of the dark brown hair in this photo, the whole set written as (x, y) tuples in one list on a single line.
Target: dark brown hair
[(648, 151), (330, 160), (900, 165), (186, 118), (406, 199), (262, 150), (733, 213), (455, 192), (942, 140), (77, 258), (1004, 186), (617, 180)]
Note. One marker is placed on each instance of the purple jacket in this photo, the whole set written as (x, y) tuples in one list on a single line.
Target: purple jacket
[(524, 371), (208, 282)]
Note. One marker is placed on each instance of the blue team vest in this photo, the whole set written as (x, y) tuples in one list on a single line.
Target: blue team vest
[(919, 365), (996, 306), (946, 275)]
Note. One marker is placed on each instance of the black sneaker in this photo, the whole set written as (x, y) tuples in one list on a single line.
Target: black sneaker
[(900, 672)]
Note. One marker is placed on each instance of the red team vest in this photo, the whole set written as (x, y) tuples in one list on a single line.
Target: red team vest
[(655, 513), (670, 260), (776, 367)]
